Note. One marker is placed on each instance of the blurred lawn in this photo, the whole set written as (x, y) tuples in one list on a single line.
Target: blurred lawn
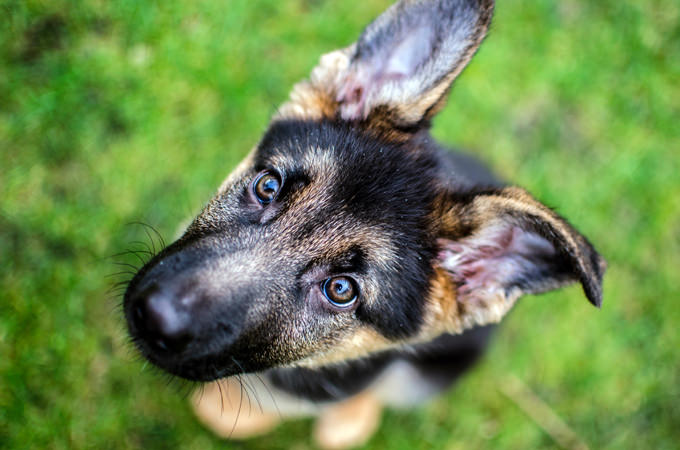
[(112, 112)]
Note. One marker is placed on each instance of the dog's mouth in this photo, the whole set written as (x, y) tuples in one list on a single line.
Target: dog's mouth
[(201, 369)]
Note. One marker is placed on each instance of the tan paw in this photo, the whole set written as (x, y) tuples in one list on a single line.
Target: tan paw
[(349, 423), (217, 407)]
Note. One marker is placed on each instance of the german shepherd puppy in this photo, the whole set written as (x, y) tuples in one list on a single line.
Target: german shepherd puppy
[(349, 262)]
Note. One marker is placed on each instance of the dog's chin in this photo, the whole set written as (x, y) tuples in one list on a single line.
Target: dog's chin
[(201, 374), (196, 369)]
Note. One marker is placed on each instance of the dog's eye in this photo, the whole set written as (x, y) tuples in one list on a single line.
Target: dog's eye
[(340, 291), (266, 186)]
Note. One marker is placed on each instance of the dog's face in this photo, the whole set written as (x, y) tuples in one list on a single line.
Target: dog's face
[(336, 237), (317, 243)]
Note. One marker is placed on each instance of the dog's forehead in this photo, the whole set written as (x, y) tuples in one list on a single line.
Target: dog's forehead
[(357, 171), (325, 149)]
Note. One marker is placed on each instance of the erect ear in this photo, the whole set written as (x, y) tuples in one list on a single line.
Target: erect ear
[(408, 57), (498, 244), (400, 69)]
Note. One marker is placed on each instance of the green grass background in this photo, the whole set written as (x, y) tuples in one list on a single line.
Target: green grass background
[(112, 112)]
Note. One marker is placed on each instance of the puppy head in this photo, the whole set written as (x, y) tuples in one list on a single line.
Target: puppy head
[(335, 238)]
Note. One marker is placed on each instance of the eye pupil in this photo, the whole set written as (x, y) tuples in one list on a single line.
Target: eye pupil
[(341, 286), (267, 186), (340, 291), (270, 185)]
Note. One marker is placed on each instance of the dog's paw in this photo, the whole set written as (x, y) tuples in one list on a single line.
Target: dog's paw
[(348, 424), (226, 410)]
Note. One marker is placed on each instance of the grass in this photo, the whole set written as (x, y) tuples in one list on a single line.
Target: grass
[(113, 112)]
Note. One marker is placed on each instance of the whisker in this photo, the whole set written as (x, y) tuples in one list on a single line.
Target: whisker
[(219, 388), (115, 292), (153, 243), (123, 264), (160, 237), (146, 248), (240, 404), (130, 252), (146, 225), (252, 388), (244, 389), (124, 272), (271, 395), (118, 289), (227, 380), (201, 392)]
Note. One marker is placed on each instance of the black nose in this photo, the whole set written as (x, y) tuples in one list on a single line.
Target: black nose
[(162, 321)]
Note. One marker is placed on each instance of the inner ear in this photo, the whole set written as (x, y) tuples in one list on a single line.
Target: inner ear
[(502, 260), (410, 53), (392, 63)]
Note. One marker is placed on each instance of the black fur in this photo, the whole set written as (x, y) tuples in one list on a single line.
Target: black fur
[(439, 362)]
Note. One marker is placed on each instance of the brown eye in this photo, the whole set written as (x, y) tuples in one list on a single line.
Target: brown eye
[(266, 186), (340, 291)]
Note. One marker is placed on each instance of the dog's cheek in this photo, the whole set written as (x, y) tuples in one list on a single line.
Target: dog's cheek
[(358, 342), (318, 336)]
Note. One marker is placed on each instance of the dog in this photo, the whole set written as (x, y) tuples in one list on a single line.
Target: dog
[(350, 262)]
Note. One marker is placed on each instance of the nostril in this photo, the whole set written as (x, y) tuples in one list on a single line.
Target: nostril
[(139, 318), (174, 344), (162, 323), (139, 313), (160, 343)]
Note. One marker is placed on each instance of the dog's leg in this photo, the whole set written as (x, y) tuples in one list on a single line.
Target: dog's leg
[(349, 423), (227, 411)]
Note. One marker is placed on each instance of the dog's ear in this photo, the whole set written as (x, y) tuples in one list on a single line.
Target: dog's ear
[(495, 245), (400, 69), (405, 61)]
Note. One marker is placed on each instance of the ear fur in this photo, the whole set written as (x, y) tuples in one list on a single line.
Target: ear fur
[(398, 73), (499, 244)]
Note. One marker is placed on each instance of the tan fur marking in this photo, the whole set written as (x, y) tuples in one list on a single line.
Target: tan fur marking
[(220, 407), (349, 423), (362, 342), (314, 99), (443, 313), (382, 121)]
